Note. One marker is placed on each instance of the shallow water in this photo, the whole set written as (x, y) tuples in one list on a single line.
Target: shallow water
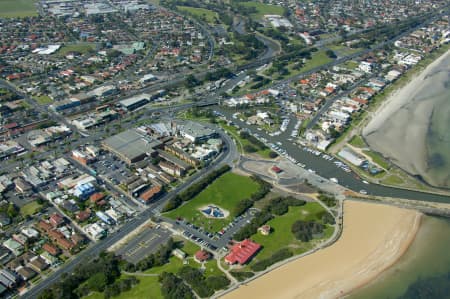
[(427, 256)]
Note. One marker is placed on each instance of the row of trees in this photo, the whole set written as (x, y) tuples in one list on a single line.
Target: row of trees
[(195, 189), (278, 256), (245, 204), (204, 287), (91, 276), (173, 287)]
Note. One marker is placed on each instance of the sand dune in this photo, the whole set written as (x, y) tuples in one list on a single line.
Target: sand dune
[(374, 237)]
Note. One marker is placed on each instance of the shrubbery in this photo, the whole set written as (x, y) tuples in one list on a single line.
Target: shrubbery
[(172, 287), (204, 287), (304, 230), (241, 276), (280, 255)]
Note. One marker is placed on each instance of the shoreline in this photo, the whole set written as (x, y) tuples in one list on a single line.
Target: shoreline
[(366, 249), (390, 129), (403, 250)]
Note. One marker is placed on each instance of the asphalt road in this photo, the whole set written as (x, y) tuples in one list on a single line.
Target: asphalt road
[(93, 250), (327, 169)]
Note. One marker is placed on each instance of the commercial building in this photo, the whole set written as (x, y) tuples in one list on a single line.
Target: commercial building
[(131, 146), (135, 102), (65, 104), (196, 132), (351, 156), (242, 252)]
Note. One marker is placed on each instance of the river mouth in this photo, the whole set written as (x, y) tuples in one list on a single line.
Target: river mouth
[(412, 127)]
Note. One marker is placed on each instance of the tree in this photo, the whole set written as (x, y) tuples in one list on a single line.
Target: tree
[(12, 210)]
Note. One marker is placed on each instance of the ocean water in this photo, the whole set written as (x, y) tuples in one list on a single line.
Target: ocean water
[(428, 256), (438, 138)]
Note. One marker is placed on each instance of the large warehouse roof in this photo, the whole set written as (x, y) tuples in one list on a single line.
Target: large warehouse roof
[(131, 144)]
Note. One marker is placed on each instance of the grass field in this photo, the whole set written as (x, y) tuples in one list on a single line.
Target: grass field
[(281, 235), (263, 9), (44, 100), (378, 159), (318, 58), (224, 192), (17, 8), (357, 141), (341, 50), (148, 287), (30, 208), (206, 15), (82, 48)]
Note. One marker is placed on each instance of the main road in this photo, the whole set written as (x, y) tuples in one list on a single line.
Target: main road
[(226, 157)]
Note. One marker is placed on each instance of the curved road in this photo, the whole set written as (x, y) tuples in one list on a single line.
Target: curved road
[(327, 169), (92, 251)]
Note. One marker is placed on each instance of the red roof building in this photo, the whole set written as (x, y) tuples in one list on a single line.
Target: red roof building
[(56, 220), (96, 197), (202, 255), (242, 252), (51, 249)]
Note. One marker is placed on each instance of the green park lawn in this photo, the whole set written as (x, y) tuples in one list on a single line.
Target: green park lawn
[(44, 100), (206, 15), (357, 141), (281, 235), (148, 287), (226, 192), (82, 48), (30, 208), (318, 58), (378, 159), (263, 9), (17, 8), (342, 50)]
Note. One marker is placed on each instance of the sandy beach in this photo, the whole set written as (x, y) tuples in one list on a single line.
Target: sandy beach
[(374, 237), (400, 128)]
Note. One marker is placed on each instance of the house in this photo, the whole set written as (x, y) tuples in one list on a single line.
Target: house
[(49, 259), (242, 252), (179, 254), (201, 256), (265, 230), (83, 215), (15, 247), (94, 198), (56, 220), (4, 220), (26, 273), (53, 250), (38, 264)]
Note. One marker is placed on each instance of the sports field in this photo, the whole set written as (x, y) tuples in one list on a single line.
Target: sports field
[(17, 8)]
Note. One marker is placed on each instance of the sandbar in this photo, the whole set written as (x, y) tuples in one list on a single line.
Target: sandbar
[(374, 237)]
